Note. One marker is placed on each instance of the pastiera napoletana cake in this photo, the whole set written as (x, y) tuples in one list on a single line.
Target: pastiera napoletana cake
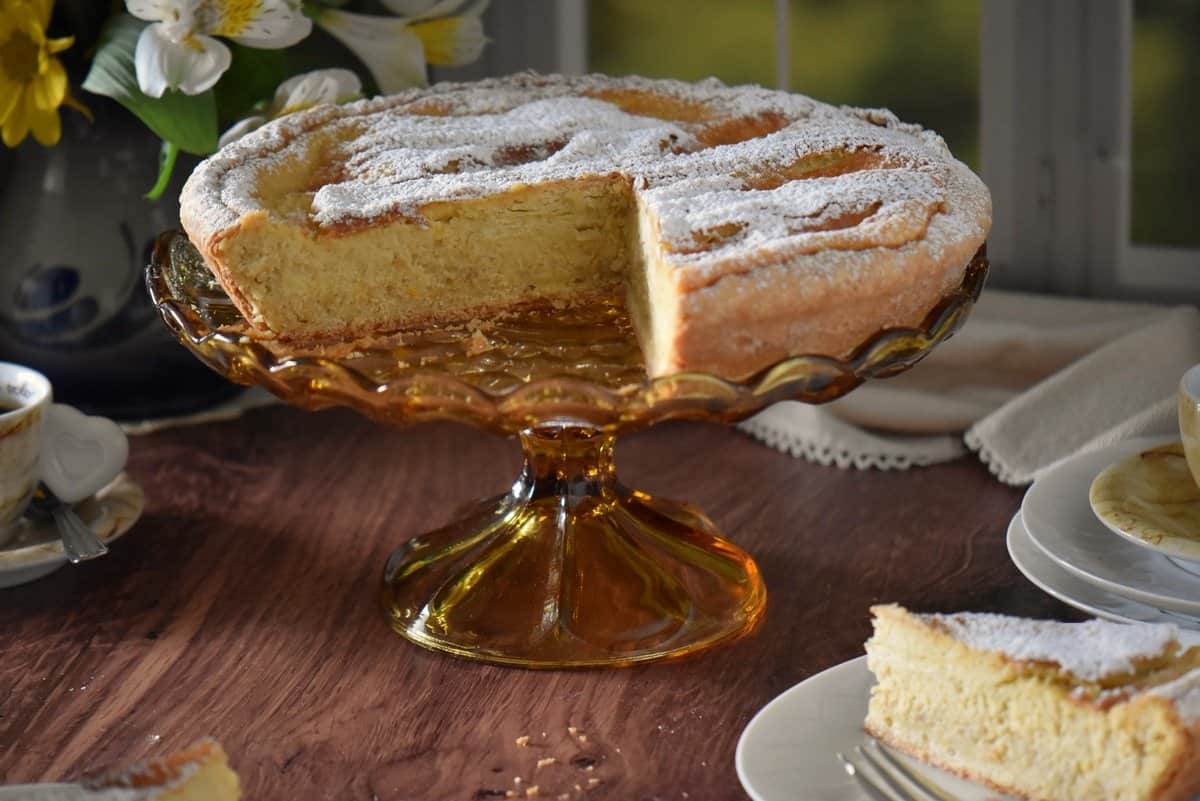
[(741, 224), (1048, 711)]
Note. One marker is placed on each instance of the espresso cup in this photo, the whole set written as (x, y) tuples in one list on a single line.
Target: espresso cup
[(1189, 419), (43, 441)]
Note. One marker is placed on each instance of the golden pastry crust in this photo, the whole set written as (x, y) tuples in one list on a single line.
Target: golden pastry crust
[(760, 224)]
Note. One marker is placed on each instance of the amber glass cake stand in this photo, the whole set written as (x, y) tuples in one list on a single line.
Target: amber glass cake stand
[(570, 568)]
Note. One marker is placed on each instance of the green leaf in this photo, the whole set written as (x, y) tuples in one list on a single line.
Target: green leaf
[(251, 79), (187, 121), (166, 165)]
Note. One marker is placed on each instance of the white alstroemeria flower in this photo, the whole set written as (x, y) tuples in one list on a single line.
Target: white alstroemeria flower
[(298, 92), (396, 49), (178, 51)]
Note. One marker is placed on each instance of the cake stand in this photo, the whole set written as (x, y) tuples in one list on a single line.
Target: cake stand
[(570, 568)]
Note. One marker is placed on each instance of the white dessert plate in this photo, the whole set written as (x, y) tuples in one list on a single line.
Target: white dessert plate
[(1152, 500), (786, 753), (1074, 591), (36, 550), (38, 792), (1059, 520)]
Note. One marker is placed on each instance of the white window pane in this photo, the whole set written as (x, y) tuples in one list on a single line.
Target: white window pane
[(1165, 156)]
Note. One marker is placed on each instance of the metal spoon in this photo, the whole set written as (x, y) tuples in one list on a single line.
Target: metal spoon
[(79, 541)]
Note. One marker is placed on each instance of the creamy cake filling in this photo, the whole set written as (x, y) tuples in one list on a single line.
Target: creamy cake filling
[(466, 258)]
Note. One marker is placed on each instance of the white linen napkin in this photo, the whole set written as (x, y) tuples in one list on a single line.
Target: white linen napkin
[(1030, 379)]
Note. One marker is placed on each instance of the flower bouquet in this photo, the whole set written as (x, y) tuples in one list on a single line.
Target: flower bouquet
[(200, 73)]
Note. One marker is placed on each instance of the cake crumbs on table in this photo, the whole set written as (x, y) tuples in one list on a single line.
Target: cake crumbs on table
[(571, 730), (544, 761), (532, 791), (593, 782), (478, 343), (523, 740)]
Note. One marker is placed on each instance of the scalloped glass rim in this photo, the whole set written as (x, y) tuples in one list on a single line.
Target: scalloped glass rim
[(416, 394)]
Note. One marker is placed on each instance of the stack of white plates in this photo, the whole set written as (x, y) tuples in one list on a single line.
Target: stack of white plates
[(1060, 545)]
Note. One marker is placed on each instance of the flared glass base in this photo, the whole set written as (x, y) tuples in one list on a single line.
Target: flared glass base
[(572, 569)]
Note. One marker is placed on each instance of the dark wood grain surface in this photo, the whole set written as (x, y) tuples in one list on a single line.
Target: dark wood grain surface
[(243, 606)]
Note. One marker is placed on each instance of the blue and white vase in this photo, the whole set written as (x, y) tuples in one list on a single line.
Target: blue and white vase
[(75, 236)]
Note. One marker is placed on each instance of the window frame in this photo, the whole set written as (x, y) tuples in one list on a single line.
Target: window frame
[(1056, 145)]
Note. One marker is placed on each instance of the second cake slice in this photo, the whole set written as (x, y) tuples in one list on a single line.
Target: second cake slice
[(1048, 711)]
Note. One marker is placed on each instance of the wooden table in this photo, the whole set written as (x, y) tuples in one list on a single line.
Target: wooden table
[(243, 606)]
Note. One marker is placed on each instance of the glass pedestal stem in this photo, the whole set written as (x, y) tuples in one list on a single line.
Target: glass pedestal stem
[(572, 569)]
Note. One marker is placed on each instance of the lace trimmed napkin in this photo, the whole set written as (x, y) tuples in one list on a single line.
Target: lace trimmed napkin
[(1030, 379)]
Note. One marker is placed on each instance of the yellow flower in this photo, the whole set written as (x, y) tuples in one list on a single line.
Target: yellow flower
[(33, 83)]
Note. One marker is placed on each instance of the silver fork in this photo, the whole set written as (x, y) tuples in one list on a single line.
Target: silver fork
[(902, 783)]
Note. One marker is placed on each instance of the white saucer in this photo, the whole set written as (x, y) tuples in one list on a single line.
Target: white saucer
[(36, 550), (786, 753), (1059, 520), (1053, 580)]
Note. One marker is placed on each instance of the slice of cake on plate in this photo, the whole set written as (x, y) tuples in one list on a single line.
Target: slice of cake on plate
[(199, 772), (1048, 711)]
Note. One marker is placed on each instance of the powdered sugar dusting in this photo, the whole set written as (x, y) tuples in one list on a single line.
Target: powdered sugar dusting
[(400, 166), (457, 141), (1184, 692), (1090, 651)]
